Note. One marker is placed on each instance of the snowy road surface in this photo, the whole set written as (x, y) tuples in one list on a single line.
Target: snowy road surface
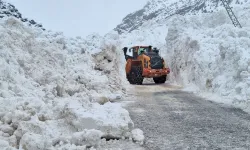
[(172, 119)]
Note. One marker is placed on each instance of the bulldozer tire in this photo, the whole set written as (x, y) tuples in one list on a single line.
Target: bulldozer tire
[(135, 75), (160, 80)]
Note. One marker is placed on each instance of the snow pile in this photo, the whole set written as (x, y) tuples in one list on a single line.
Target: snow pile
[(212, 55), (48, 89)]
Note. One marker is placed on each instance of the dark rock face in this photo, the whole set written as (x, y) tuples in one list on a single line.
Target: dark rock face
[(9, 10), (161, 9)]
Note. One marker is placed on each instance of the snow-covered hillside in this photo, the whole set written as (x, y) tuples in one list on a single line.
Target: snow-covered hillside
[(54, 94)]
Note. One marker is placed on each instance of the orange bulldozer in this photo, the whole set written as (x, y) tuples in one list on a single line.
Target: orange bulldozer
[(145, 62)]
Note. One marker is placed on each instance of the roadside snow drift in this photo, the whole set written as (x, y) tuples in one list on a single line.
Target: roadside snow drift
[(49, 86), (208, 52)]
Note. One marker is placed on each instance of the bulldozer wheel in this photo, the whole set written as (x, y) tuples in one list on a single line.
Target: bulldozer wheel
[(135, 75), (160, 80)]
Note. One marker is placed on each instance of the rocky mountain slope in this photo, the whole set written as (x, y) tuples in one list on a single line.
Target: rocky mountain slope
[(9, 10), (158, 10)]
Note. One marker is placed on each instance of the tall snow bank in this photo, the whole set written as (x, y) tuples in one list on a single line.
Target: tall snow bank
[(108, 60), (48, 85), (207, 51)]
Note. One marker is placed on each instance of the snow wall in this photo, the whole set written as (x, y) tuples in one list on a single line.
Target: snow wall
[(207, 54), (55, 91)]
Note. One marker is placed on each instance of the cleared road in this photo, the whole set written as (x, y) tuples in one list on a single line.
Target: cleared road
[(172, 119)]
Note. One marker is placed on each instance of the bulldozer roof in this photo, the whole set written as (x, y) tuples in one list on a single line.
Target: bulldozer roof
[(141, 46)]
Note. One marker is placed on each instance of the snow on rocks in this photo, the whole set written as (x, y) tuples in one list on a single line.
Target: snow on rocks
[(48, 90)]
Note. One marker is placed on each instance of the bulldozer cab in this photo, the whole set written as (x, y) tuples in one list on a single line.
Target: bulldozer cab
[(135, 51)]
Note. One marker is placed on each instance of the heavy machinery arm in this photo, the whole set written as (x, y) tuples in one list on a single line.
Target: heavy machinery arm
[(231, 14)]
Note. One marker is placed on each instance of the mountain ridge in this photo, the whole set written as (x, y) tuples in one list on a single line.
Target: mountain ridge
[(9, 10), (161, 9)]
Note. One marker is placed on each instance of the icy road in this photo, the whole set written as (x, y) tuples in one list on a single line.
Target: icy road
[(173, 119)]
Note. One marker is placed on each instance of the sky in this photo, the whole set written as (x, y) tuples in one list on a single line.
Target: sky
[(78, 17)]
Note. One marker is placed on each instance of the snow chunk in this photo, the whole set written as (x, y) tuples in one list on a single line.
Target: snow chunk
[(111, 119), (4, 145), (137, 135), (7, 129)]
